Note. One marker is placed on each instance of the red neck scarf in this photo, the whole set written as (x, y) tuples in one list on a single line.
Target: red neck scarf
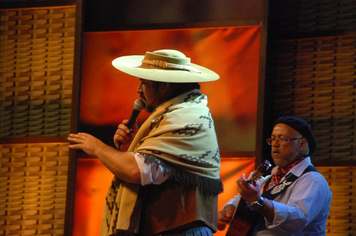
[(275, 178)]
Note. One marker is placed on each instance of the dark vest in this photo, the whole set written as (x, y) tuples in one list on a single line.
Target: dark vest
[(169, 206)]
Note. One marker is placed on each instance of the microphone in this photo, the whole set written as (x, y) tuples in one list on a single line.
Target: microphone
[(139, 104)]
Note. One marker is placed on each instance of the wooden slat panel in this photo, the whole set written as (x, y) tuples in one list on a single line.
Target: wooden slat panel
[(295, 17), (315, 80), (342, 217), (33, 181), (36, 68)]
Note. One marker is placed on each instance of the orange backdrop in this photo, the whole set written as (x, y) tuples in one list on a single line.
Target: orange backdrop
[(107, 95)]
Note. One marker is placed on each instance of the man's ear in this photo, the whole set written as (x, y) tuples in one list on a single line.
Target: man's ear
[(164, 87), (303, 143)]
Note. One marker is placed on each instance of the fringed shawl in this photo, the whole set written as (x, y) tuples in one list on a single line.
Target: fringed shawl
[(181, 132)]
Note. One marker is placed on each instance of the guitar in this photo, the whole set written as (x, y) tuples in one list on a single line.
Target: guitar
[(244, 219)]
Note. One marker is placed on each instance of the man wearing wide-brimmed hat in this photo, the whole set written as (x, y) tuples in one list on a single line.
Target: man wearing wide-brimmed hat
[(167, 182)]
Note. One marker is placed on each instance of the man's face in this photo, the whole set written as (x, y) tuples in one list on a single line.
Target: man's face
[(149, 94), (285, 153)]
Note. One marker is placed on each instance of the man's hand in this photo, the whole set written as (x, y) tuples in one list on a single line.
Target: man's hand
[(124, 136), (85, 142), (248, 191), (225, 215)]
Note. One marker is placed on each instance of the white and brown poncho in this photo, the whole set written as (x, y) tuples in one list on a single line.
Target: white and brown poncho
[(181, 133)]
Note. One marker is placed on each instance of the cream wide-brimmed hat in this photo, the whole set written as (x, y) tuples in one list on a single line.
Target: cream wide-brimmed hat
[(165, 65)]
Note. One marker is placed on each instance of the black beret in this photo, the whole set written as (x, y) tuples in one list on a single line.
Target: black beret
[(302, 127)]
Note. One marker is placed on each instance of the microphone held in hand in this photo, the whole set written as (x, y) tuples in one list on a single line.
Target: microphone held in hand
[(139, 104)]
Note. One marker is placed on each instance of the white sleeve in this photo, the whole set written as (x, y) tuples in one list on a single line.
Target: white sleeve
[(151, 173)]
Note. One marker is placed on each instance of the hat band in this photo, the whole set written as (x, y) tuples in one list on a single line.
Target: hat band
[(167, 65)]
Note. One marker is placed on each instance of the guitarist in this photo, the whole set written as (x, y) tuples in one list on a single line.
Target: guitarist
[(295, 198)]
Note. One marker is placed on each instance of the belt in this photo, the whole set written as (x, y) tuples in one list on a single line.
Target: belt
[(188, 232)]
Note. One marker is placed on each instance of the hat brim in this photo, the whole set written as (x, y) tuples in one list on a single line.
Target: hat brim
[(132, 65)]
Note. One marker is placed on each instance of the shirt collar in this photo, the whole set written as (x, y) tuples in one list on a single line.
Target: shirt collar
[(298, 169)]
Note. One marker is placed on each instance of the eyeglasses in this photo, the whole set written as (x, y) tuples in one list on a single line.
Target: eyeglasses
[(269, 141)]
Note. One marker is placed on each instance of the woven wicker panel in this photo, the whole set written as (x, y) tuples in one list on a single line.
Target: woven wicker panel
[(315, 79), (295, 16), (33, 181), (36, 71), (342, 217)]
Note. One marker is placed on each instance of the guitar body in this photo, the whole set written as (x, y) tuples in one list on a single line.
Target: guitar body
[(244, 220)]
